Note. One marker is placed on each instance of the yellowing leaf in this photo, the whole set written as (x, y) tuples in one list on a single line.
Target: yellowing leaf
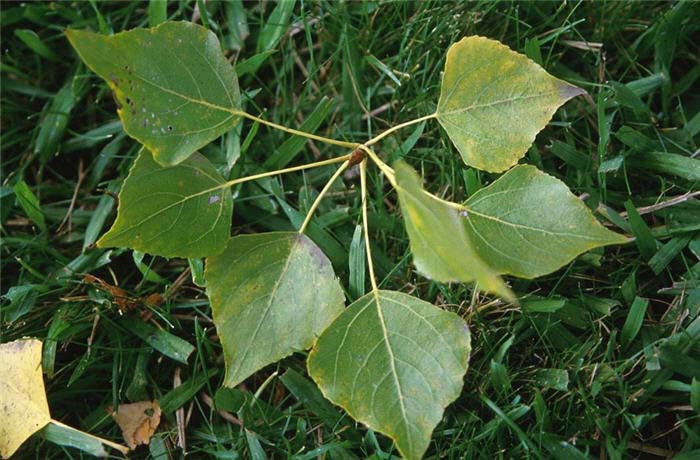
[(175, 90), (138, 421), (272, 294), (441, 248), (23, 406), (393, 362), (494, 101)]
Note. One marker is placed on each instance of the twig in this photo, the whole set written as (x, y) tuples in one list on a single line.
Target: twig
[(594, 47), (82, 174), (180, 415), (382, 108), (92, 333), (665, 204), (651, 449)]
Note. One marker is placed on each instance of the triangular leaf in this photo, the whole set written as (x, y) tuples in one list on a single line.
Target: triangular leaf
[(175, 90), (527, 223), (23, 406), (494, 101), (271, 294), (393, 362), (441, 248), (172, 211)]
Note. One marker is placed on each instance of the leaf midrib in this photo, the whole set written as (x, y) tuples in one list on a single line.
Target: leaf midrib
[(188, 98), (527, 227), (168, 207), (394, 373), (273, 294), (472, 107)]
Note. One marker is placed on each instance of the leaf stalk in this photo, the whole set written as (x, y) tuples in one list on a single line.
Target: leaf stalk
[(327, 140), (283, 171), (365, 226), (383, 134), (317, 201)]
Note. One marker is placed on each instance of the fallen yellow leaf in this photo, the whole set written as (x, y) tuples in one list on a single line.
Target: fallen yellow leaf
[(138, 421), (23, 406)]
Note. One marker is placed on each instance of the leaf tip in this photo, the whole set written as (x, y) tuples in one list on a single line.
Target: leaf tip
[(568, 91)]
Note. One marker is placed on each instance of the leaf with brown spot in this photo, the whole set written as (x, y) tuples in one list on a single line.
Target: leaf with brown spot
[(138, 421), (175, 89)]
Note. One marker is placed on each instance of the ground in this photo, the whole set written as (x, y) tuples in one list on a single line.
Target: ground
[(600, 360)]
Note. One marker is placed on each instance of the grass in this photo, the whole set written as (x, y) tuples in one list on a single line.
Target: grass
[(601, 361)]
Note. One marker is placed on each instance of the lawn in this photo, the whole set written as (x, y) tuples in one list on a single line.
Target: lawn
[(600, 359)]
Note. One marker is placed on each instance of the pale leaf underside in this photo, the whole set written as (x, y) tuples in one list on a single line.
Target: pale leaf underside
[(272, 294), (393, 362), (439, 243), (527, 223)]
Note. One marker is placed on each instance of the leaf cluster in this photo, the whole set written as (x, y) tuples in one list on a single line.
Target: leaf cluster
[(391, 360)]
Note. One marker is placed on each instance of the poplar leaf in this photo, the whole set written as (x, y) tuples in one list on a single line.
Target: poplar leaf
[(494, 101), (271, 294), (528, 224), (439, 242), (393, 362), (23, 406), (172, 211), (174, 88)]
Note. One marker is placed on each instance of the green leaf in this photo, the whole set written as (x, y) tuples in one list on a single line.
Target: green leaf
[(35, 43), (557, 379), (441, 248), (634, 320), (271, 294), (180, 395), (175, 90), (527, 223), (174, 211), (30, 204), (170, 345), (494, 101), (275, 26), (157, 12), (667, 163), (64, 435), (393, 362)]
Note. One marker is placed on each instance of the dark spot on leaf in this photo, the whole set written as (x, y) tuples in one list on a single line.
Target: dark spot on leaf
[(170, 127)]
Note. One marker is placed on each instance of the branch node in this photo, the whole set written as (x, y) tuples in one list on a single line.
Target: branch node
[(356, 157)]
